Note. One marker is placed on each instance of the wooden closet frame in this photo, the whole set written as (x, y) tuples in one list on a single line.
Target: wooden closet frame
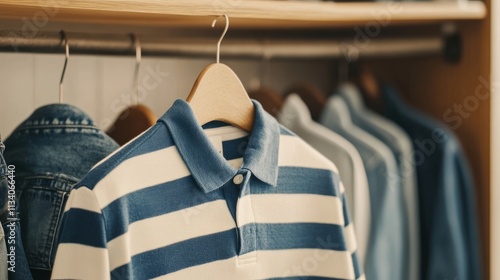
[(428, 83)]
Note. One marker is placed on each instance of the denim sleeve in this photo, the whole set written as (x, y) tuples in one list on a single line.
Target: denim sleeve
[(3, 205), (82, 250)]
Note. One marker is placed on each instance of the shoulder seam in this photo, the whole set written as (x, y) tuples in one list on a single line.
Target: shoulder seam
[(120, 159)]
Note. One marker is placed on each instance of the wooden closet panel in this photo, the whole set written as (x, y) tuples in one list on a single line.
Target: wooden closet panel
[(244, 14), (435, 87)]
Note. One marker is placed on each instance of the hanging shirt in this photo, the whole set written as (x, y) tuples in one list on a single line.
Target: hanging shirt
[(399, 143), (295, 116), (51, 150), (180, 202), (448, 221), (386, 247)]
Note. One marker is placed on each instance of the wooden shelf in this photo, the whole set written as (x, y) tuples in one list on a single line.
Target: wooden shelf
[(243, 14)]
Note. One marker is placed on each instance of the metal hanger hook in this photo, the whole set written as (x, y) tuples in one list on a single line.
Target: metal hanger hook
[(344, 65), (222, 36), (262, 65), (265, 62), (66, 45), (138, 59)]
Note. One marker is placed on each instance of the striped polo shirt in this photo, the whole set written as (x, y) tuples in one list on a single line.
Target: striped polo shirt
[(185, 202)]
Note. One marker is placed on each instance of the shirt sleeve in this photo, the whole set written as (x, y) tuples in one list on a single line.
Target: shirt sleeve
[(350, 236), (82, 252)]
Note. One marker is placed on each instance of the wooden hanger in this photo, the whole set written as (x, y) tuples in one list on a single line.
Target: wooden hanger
[(312, 96), (270, 99), (135, 119), (218, 94), (131, 122), (370, 90), (350, 71), (61, 82)]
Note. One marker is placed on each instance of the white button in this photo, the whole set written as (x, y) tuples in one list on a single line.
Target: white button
[(238, 179)]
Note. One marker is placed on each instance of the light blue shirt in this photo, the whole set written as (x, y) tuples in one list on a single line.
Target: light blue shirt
[(399, 143), (386, 247)]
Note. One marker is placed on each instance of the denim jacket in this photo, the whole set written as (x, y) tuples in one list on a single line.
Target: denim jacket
[(51, 150)]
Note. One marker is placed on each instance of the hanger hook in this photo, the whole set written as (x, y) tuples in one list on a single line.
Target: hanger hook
[(66, 46), (344, 65), (222, 36), (266, 57), (138, 59)]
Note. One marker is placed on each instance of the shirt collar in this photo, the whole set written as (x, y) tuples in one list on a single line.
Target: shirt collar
[(57, 116), (393, 101), (210, 170)]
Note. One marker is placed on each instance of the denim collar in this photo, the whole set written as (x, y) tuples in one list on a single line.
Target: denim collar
[(54, 118), (392, 100), (210, 170)]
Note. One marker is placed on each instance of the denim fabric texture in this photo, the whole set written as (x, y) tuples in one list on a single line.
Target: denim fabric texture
[(51, 150), (4, 187), (3, 212), (3, 254), (450, 247), (21, 270)]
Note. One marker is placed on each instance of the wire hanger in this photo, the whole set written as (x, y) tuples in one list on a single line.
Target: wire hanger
[(61, 85), (342, 71), (269, 98), (311, 95), (138, 60), (136, 118), (256, 82), (218, 94), (222, 36), (367, 86)]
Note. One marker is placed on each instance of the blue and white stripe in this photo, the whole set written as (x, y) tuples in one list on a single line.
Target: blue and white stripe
[(142, 215)]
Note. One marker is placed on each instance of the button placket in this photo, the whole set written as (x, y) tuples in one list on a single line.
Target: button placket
[(245, 220)]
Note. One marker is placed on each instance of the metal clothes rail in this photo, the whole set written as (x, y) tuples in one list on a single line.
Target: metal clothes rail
[(123, 44)]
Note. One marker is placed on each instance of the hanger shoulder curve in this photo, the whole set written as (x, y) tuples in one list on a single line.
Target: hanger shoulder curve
[(218, 94), (148, 115), (312, 96), (131, 122), (270, 99)]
